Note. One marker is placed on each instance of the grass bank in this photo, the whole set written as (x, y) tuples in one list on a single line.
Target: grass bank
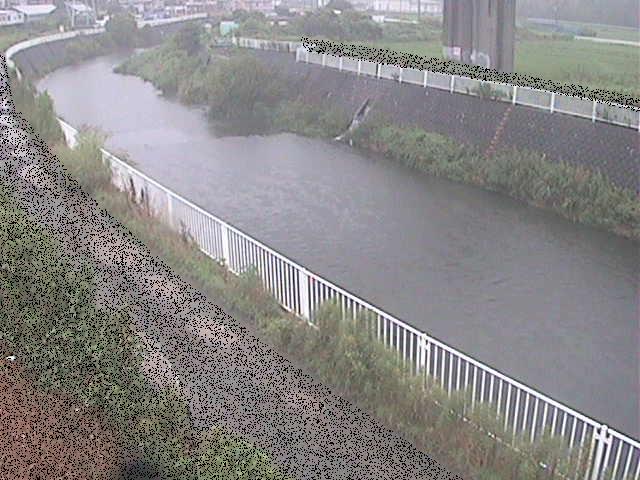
[(249, 96), (350, 360), (50, 321), (578, 194)]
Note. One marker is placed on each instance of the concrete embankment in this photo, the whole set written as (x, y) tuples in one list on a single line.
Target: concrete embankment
[(46, 57), (612, 149)]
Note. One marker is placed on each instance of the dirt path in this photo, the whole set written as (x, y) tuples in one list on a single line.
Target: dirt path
[(228, 376)]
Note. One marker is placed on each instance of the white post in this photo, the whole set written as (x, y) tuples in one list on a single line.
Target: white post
[(453, 80), (379, 69), (597, 460), (426, 72), (303, 291), (515, 94), (594, 111), (324, 59), (400, 76), (553, 102), (340, 67), (225, 245), (307, 60), (359, 66), (423, 351), (170, 210)]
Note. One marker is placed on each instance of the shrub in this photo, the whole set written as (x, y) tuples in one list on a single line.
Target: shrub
[(84, 162)]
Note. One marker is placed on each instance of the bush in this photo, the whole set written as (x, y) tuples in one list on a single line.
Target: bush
[(123, 29), (84, 162), (577, 193)]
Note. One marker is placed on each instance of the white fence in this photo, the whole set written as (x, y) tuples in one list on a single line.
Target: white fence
[(591, 109), (524, 413), (545, 100)]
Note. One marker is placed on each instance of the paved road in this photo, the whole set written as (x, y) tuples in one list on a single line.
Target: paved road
[(229, 376)]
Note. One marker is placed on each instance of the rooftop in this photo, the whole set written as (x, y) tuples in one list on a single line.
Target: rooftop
[(35, 9)]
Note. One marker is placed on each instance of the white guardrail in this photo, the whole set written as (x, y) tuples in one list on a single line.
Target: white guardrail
[(526, 414), (545, 100)]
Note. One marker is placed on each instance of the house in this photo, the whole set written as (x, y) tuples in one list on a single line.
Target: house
[(35, 13), (11, 17), (81, 15)]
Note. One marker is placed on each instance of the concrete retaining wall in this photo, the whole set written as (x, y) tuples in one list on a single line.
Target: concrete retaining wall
[(613, 149)]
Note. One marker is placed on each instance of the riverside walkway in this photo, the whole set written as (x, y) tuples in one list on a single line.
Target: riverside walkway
[(229, 377)]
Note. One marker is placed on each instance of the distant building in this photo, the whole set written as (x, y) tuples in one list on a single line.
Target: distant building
[(428, 8), (81, 15), (35, 13), (263, 6), (11, 17), (227, 27)]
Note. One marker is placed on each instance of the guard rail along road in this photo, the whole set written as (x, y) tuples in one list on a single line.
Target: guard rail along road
[(527, 414), (552, 102)]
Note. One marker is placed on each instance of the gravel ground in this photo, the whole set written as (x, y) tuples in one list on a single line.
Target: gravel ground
[(228, 375)]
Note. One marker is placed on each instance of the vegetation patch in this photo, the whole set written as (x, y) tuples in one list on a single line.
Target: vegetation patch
[(577, 193), (50, 321)]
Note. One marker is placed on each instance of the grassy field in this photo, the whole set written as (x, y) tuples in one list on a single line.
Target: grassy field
[(610, 67), (606, 31)]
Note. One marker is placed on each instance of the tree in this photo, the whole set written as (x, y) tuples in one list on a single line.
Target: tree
[(341, 5), (123, 29), (189, 39)]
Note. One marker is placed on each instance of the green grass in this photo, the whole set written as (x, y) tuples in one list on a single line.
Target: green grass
[(605, 31), (609, 67)]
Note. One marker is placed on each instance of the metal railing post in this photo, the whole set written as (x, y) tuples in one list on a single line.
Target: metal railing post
[(359, 66), (603, 440), (170, 211), (515, 94), (400, 76), (225, 246), (303, 292), (426, 73), (453, 81), (552, 107), (324, 59), (594, 111)]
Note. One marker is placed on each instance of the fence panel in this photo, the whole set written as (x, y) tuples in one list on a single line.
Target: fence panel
[(391, 72), (439, 80), (469, 86), (533, 98), (618, 115), (622, 460), (350, 64), (573, 105), (413, 76), (368, 68), (332, 61), (315, 57)]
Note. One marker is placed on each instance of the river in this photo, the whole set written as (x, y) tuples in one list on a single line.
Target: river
[(548, 302)]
